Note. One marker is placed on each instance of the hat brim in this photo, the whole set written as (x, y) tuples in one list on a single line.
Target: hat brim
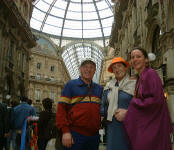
[(110, 66)]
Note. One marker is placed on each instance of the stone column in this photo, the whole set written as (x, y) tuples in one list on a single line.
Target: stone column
[(171, 101)]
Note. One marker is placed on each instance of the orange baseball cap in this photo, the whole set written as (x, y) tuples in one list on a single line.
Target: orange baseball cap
[(117, 60)]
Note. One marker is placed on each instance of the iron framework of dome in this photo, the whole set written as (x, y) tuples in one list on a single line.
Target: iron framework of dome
[(74, 19)]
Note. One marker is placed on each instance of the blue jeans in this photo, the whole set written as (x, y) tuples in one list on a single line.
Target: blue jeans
[(17, 141), (11, 138), (82, 142)]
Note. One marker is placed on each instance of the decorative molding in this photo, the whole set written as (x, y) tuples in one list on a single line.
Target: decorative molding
[(22, 22)]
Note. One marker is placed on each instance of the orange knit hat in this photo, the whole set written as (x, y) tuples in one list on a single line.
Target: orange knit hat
[(117, 60)]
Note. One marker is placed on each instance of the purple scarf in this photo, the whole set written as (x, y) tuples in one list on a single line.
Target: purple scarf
[(147, 122)]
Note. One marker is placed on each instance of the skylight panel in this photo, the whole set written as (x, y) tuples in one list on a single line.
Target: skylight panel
[(92, 33), (72, 33), (57, 22), (37, 14), (105, 13), (91, 25), (90, 16), (89, 8), (101, 5), (51, 29), (57, 12), (42, 5), (74, 16), (74, 7), (35, 24), (69, 24), (107, 31), (60, 4), (107, 22)]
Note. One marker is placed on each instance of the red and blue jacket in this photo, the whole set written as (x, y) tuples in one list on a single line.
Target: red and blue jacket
[(79, 108)]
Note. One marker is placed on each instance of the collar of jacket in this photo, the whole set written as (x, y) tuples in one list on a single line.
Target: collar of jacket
[(81, 83)]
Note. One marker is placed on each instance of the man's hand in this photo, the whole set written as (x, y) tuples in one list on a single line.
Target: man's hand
[(120, 114), (67, 140)]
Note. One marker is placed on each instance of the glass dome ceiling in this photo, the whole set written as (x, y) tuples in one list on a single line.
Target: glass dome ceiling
[(75, 19)]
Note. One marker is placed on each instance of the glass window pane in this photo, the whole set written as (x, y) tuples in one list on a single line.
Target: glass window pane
[(54, 21), (105, 13), (107, 31), (37, 14), (60, 4), (92, 33), (74, 7), (107, 22), (91, 25), (74, 16), (42, 5), (72, 33), (51, 30), (101, 5), (73, 24), (87, 6), (90, 15), (57, 12), (35, 24)]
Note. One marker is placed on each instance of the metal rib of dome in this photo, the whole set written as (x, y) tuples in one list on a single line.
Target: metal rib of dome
[(81, 19)]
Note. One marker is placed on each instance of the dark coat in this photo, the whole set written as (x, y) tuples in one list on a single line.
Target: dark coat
[(42, 124), (4, 120)]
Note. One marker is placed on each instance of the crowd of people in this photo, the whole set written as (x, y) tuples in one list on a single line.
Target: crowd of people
[(133, 108)]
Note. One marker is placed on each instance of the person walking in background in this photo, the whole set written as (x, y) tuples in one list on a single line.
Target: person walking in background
[(118, 93), (29, 101), (4, 125), (147, 121), (43, 129), (78, 111), (12, 133), (20, 114)]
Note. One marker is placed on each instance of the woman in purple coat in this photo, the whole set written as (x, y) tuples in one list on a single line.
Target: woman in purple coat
[(147, 121)]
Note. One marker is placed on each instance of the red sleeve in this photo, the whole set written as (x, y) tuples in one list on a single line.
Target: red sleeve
[(61, 117)]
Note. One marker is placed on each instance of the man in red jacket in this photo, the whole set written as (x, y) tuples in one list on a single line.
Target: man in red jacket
[(78, 112)]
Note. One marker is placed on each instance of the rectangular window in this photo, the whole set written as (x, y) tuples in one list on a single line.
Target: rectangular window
[(38, 76), (38, 65), (52, 78), (52, 69), (37, 95), (52, 95)]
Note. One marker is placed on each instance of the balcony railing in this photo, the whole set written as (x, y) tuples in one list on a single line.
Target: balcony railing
[(46, 80)]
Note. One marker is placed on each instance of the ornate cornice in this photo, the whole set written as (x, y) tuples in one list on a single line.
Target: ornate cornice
[(10, 4)]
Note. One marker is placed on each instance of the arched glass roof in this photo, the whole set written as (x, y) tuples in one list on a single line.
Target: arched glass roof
[(75, 53), (75, 19)]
